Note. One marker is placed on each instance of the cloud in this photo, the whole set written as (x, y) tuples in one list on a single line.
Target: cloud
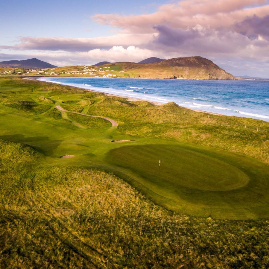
[(218, 44), (8, 57), (113, 54), (56, 58), (186, 27), (119, 54), (254, 27), (199, 40), (79, 44), (226, 31), (188, 13)]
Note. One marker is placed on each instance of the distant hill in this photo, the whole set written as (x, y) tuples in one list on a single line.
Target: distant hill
[(151, 60), (195, 67), (102, 63), (251, 78), (27, 64)]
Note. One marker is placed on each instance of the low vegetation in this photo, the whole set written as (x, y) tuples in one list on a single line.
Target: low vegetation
[(72, 218), (79, 213)]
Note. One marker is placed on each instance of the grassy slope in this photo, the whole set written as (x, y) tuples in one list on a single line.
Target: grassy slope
[(53, 214), (72, 218), (160, 72), (198, 182)]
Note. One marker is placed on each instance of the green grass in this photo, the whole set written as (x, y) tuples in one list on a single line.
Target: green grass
[(179, 167), (197, 181), (89, 122), (70, 213), (72, 217), (200, 181), (115, 67)]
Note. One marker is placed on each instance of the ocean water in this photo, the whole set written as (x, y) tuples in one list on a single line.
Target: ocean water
[(242, 98)]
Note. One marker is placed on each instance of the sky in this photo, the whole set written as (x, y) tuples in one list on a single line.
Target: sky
[(232, 33)]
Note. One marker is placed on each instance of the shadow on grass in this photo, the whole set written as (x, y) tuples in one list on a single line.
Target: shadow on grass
[(41, 144)]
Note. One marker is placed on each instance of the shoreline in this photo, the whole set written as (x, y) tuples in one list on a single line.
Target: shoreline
[(131, 99), (134, 99)]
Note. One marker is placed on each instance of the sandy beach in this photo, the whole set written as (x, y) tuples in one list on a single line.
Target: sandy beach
[(131, 99), (235, 112)]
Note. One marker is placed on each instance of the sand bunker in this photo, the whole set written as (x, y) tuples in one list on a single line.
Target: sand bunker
[(120, 141), (67, 156)]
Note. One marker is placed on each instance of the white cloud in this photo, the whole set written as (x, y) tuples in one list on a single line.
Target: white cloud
[(118, 54), (79, 44), (188, 13)]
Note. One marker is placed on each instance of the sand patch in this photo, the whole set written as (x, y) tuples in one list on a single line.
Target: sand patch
[(120, 141), (67, 156)]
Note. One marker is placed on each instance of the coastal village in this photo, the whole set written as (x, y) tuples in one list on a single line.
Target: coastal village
[(87, 71)]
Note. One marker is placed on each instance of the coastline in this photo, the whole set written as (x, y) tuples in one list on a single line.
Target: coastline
[(238, 114), (128, 98), (131, 99)]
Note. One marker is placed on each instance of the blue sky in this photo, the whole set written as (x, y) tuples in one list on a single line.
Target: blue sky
[(64, 18), (233, 34)]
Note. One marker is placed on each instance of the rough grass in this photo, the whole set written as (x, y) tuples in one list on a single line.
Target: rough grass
[(89, 122), (240, 135), (74, 218)]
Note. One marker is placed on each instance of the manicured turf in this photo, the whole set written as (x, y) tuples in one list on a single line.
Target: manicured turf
[(180, 167), (197, 181)]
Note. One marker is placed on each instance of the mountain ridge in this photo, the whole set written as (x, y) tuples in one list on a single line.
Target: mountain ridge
[(101, 63), (151, 60), (27, 64), (194, 67)]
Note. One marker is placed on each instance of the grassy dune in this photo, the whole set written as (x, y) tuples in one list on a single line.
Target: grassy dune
[(57, 212)]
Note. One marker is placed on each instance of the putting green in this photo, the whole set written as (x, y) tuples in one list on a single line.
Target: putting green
[(197, 181), (182, 167)]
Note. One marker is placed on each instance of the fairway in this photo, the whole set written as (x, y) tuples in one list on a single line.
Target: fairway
[(197, 181)]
